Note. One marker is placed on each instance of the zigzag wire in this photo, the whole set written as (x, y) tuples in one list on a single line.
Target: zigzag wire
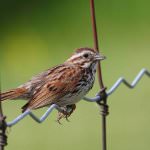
[(54, 106), (34, 117), (132, 85), (118, 82)]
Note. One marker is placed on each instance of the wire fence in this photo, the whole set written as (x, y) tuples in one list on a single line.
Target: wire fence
[(94, 99), (100, 98)]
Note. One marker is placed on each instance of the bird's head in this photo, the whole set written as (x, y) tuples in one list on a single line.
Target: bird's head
[(85, 57)]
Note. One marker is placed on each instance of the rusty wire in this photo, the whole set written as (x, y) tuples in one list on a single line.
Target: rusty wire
[(3, 126), (103, 103)]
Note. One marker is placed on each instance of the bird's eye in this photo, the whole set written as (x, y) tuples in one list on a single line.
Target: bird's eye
[(86, 55)]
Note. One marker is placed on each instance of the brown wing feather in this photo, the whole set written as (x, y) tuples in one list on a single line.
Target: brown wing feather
[(58, 85)]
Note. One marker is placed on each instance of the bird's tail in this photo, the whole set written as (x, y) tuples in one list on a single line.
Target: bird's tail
[(12, 94)]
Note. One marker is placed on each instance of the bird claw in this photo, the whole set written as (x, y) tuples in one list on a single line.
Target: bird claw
[(68, 110), (61, 115)]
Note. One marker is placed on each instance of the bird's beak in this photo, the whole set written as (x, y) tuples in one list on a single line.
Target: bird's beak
[(99, 57)]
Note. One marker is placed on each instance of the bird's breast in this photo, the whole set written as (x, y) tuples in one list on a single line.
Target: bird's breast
[(80, 90)]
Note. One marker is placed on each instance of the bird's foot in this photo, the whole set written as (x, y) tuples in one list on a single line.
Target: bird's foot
[(67, 111)]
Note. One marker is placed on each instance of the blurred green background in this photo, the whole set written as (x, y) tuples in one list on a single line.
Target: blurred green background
[(36, 35)]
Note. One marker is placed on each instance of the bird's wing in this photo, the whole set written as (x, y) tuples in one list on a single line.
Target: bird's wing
[(40, 78), (62, 82)]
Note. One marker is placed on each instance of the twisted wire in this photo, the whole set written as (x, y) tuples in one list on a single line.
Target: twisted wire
[(94, 99)]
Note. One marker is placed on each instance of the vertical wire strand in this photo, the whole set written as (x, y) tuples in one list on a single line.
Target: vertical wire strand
[(95, 37), (3, 126), (104, 108)]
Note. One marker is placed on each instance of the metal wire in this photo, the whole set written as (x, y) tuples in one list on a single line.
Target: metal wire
[(3, 126), (120, 81), (96, 42), (34, 117), (95, 99)]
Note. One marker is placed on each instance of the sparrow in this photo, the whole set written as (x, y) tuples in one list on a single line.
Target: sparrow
[(63, 85)]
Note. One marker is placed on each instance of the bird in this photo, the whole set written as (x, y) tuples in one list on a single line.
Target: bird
[(63, 85)]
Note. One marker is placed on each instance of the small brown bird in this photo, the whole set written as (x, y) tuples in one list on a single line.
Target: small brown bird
[(63, 85)]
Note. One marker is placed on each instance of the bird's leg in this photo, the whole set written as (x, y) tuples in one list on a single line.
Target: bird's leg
[(68, 110), (61, 114)]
